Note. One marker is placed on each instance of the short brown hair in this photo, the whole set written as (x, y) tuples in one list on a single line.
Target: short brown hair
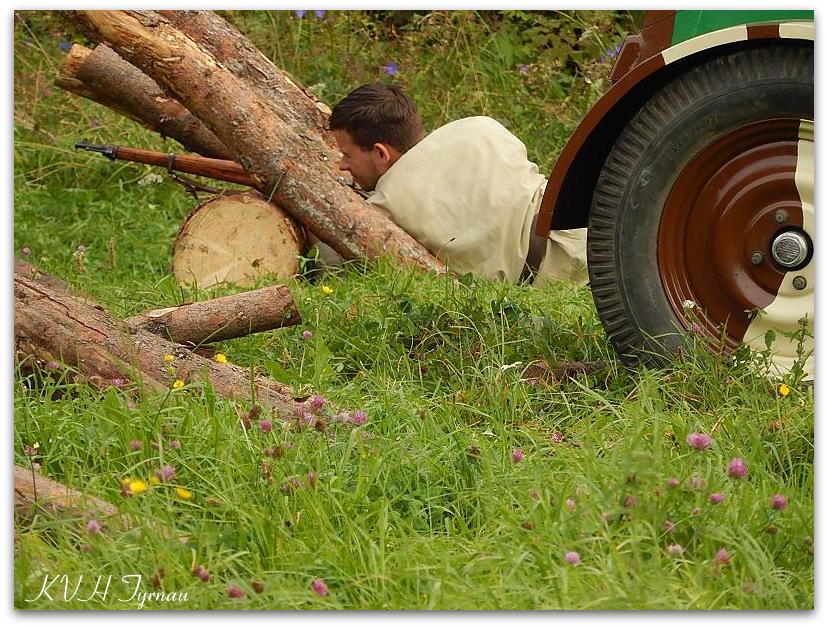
[(378, 112)]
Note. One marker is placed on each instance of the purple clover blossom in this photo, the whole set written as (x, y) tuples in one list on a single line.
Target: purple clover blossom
[(165, 473), (557, 437), (93, 527), (358, 418), (573, 558), (517, 455), (266, 425), (737, 468), (119, 382), (307, 334), (722, 557), (319, 587), (317, 402), (132, 405), (51, 365), (320, 15), (675, 550), (235, 590), (313, 477), (673, 482), (390, 69), (26, 251), (669, 527), (717, 498), (699, 441), (135, 445), (779, 502), (299, 14), (64, 46), (30, 450), (175, 444)]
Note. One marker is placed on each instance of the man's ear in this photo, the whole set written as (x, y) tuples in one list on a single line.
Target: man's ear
[(386, 154)]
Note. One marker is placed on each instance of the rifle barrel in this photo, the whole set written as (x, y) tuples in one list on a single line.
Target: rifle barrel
[(221, 169)]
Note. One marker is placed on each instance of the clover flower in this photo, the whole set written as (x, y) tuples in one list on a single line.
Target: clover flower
[(235, 590), (573, 558), (737, 468), (669, 527), (673, 482), (313, 477), (307, 334), (266, 425), (517, 455), (722, 557), (717, 498), (93, 527), (319, 587), (51, 365), (359, 417), (675, 549), (135, 445), (26, 251), (165, 473), (779, 502), (699, 441), (175, 443)]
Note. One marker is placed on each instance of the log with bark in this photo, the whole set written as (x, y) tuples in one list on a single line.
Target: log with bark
[(104, 77), (294, 169), (52, 325), (222, 318)]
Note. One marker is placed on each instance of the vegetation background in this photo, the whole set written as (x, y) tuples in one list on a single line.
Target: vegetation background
[(467, 486)]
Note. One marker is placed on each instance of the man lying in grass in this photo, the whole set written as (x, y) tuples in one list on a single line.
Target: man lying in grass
[(466, 191)]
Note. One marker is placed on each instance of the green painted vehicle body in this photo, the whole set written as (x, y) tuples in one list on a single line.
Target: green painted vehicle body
[(691, 24)]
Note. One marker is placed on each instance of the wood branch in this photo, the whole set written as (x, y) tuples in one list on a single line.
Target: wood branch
[(50, 325), (236, 238), (297, 107), (293, 170), (222, 318), (104, 77)]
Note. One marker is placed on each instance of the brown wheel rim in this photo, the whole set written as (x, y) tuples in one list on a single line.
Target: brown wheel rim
[(718, 224)]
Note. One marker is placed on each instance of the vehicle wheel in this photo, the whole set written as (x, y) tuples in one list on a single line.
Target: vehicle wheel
[(706, 199)]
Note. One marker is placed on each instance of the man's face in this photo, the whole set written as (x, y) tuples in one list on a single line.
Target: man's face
[(364, 166)]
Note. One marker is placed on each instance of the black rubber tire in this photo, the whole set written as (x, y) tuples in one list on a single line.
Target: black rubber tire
[(694, 109)]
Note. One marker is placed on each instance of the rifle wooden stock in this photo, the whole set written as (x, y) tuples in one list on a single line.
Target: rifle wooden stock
[(220, 169)]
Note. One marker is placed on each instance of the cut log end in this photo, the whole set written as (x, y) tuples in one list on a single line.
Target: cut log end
[(237, 239)]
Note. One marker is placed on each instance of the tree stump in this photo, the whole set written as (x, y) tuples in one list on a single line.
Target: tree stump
[(236, 238)]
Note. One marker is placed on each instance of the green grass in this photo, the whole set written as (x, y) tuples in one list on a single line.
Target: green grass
[(423, 506)]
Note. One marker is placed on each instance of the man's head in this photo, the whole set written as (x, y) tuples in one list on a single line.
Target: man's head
[(374, 126)]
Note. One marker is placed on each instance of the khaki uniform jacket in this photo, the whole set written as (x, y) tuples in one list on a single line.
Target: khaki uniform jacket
[(468, 193)]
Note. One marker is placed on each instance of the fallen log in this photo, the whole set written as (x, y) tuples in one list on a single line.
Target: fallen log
[(294, 170), (51, 325), (297, 107), (36, 495), (236, 238), (222, 318), (104, 77)]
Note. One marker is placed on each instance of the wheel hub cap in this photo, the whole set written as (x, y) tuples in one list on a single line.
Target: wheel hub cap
[(790, 249)]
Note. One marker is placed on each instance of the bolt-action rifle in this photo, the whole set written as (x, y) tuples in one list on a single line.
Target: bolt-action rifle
[(220, 169)]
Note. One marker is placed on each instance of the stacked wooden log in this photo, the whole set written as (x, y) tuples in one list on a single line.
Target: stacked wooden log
[(191, 76)]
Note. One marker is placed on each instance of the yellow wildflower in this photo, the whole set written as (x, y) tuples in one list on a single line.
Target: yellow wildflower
[(784, 390), (221, 358), (327, 290), (179, 383), (154, 480), (183, 493), (169, 358), (137, 486)]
